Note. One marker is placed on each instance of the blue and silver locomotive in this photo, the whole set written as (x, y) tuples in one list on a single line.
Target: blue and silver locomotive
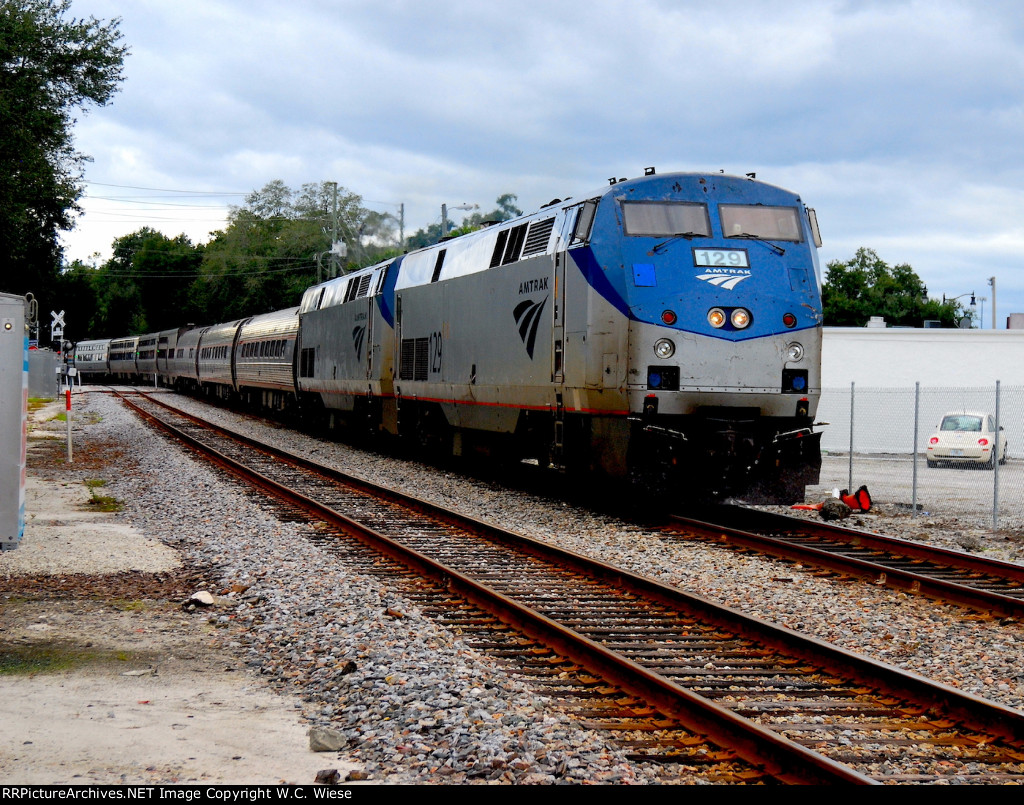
[(664, 331)]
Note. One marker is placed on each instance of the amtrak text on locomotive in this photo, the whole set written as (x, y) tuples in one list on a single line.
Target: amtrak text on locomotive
[(529, 286)]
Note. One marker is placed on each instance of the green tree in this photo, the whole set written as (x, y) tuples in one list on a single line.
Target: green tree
[(427, 236), (75, 294), (505, 211), (431, 234), (146, 285), (866, 286), (51, 66), (277, 244), (262, 261)]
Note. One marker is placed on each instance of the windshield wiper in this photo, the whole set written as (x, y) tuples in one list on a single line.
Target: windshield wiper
[(747, 236), (688, 235)]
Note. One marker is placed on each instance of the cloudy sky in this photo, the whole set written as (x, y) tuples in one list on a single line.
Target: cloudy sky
[(902, 123)]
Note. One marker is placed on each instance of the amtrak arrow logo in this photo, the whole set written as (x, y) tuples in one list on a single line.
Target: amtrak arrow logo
[(358, 334), (527, 315), (727, 281)]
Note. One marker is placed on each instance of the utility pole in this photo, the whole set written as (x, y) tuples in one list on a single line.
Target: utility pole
[(992, 282), (334, 272)]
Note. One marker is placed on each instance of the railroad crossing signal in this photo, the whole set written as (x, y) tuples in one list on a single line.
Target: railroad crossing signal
[(57, 326)]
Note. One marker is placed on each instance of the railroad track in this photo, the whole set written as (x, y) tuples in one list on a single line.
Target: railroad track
[(789, 707), (987, 585)]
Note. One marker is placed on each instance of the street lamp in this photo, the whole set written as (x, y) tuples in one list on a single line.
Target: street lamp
[(969, 318), (444, 214)]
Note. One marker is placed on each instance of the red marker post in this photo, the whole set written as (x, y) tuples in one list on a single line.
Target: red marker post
[(67, 397)]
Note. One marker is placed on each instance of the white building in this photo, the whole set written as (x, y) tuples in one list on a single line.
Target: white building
[(894, 357), (956, 369)]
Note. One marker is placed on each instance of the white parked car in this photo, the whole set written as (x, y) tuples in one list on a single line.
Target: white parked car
[(966, 438)]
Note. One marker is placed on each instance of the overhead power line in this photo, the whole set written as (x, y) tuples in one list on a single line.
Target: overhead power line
[(241, 272), (145, 200), (172, 190)]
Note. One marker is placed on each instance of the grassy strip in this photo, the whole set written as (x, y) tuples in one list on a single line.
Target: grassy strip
[(103, 503)]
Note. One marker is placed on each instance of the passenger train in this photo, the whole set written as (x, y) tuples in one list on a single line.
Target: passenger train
[(664, 331)]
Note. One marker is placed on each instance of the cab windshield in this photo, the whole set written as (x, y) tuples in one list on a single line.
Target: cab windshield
[(766, 223), (665, 219)]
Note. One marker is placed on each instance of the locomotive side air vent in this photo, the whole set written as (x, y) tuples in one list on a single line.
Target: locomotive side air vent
[(356, 287), (520, 241), (307, 362), (438, 265), (499, 248), (514, 247), (414, 358), (538, 236)]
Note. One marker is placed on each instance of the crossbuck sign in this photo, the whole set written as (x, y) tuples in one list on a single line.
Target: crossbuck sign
[(57, 326)]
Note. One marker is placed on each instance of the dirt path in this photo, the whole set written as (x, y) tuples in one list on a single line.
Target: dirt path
[(103, 677)]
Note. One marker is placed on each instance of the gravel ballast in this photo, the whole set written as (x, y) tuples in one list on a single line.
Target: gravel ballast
[(411, 702)]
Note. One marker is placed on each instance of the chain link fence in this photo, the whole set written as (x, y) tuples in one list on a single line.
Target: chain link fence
[(879, 437)]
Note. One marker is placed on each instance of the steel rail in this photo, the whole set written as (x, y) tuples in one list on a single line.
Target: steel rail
[(894, 679), (776, 755), (1008, 570), (969, 709), (882, 570)]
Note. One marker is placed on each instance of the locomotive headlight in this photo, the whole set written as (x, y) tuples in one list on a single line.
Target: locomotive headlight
[(664, 348), (716, 317), (794, 352), (740, 318)]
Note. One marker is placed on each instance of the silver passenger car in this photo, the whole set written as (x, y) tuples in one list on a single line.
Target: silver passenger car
[(215, 365), (167, 342), (265, 359), (123, 354), (182, 367), (145, 361), (92, 359)]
